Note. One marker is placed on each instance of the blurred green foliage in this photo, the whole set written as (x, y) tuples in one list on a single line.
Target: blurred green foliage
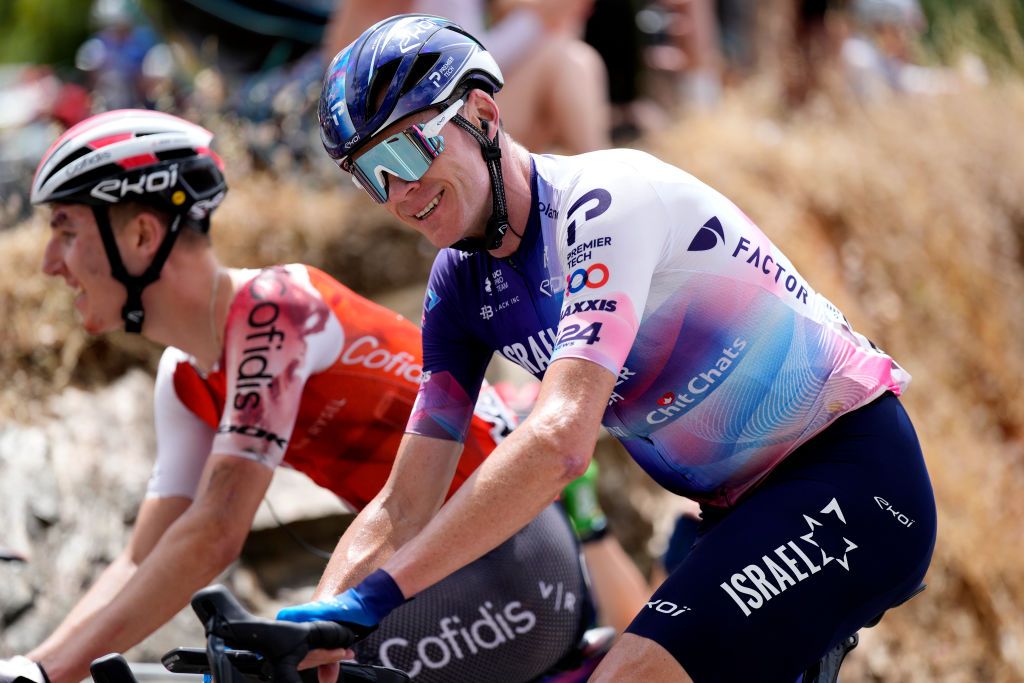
[(993, 29), (43, 31), (50, 31)]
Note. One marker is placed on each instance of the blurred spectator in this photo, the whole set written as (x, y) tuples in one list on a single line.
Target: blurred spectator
[(696, 31), (815, 46), (352, 17), (877, 57), (556, 87), (737, 23), (125, 60), (612, 30), (35, 104), (555, 95), (685, 45), (680, 540)]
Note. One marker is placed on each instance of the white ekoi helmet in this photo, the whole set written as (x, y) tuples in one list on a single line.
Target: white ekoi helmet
[(134, 155)]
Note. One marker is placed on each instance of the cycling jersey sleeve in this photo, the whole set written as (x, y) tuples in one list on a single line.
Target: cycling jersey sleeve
[(279, 332), (453, 360), (612, 232), (182, 439)]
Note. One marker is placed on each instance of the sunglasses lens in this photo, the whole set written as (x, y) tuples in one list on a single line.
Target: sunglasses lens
[(406, 155)]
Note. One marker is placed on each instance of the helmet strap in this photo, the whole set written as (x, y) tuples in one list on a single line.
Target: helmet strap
[(132, 313), (497, 224)]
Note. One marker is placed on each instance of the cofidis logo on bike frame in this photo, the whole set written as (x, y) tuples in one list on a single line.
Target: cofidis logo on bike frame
[(594, 277)]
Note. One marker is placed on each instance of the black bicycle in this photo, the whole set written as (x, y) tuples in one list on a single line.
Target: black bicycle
[(243, 648)]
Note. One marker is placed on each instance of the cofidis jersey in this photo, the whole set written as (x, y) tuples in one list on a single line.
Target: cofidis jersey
[(312, 376)]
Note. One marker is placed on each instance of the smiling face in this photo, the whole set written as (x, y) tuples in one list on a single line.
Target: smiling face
[(75, 253), (453, 198)]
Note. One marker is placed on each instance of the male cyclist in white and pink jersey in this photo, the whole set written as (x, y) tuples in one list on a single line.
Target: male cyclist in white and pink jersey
[(281, 366), (649, 303)]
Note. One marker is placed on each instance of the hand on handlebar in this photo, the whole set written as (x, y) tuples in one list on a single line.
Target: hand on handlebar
[(360, 609)]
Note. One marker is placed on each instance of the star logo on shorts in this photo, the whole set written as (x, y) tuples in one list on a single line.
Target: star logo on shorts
[(831, 509)]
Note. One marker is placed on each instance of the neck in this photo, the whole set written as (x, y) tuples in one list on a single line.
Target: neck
[(515, 167), (192, 307)]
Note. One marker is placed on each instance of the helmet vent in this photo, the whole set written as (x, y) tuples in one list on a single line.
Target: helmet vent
[(420, 68), (70, 159), (202, 181), (175, 154), (380, 86)]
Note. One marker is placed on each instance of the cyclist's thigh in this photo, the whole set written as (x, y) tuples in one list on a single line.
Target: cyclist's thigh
[(509, 616), (844, 528)]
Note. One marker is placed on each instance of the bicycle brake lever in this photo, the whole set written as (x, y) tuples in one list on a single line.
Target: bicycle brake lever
[(220, 666)]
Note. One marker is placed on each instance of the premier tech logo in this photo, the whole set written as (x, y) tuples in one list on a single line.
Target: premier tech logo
[(712, 233)]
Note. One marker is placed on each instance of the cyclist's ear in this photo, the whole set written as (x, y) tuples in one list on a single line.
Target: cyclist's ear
[(481, 107)]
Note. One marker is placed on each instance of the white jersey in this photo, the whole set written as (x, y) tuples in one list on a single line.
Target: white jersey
[(727, 358)]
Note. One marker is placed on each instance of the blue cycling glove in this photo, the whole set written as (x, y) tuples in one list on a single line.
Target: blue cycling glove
[(360, 608)]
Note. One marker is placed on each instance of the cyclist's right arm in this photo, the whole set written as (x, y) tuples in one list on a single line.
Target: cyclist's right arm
[(177, 548), (155, 516), (183, 538), (137, 597)]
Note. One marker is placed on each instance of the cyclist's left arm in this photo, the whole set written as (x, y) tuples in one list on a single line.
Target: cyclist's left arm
[(613, 223), (554, 444), (415, 489), (517, 481), (511, 487)]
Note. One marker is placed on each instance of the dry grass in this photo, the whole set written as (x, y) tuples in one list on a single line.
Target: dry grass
[(909, 216)]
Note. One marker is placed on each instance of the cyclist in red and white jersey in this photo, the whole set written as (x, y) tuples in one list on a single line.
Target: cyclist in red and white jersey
[(647, 302), (281, 366)]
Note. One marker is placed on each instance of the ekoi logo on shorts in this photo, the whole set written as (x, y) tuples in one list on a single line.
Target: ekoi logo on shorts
[(790, 563), (896, 514), (666, 607)]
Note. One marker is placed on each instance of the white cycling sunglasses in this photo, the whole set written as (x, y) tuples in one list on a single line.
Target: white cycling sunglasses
[(406, 155)]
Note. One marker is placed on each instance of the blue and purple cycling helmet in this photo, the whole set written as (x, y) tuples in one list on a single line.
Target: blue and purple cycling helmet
[(398, 67)]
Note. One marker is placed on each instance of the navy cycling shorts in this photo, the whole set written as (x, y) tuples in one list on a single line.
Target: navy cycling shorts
[(840, 531)]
